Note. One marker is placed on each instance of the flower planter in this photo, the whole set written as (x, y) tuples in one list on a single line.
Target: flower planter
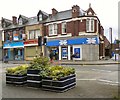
[(61, 85), (16, 79), (34, 79)]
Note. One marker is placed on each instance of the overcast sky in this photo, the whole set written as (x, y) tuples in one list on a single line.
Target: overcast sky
[(106, 10)]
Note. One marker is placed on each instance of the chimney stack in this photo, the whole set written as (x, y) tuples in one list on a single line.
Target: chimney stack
[(54, 11), (14, 19), (75, 11)]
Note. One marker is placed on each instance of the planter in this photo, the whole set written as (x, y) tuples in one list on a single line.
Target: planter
[(16, 79), (61, 85), (34, 79)]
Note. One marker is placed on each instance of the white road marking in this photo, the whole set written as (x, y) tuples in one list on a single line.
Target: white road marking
[(109, 82), (102, 70), (86, 79)]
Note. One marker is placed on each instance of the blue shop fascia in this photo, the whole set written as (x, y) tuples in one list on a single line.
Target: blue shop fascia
[(82, 47), (14, 50)]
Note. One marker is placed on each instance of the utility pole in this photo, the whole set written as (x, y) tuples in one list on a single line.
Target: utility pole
[(110, 32)]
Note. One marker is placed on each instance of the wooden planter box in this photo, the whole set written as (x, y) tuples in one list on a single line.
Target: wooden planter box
[(16, 79), (34, 79), (60, 85)]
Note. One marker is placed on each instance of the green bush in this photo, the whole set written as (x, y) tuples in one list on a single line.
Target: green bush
[(56, 72), (18, 70), (39, 63)]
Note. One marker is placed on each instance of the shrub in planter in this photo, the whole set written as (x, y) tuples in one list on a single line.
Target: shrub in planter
[(36, 66), (17, 75), (58, 78)]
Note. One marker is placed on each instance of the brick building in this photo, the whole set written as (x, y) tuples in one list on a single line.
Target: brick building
[(14, 32), (75, 31)]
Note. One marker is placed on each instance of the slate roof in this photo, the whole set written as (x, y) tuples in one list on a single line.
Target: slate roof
[(63, 15), (67, 14)]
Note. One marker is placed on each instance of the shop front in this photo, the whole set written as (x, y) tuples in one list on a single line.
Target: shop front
[(75, 48), (14, 50), (31, 49)]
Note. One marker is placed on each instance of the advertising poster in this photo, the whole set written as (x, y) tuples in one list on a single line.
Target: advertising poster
[(64, 52), (15, 37), (77, 52)]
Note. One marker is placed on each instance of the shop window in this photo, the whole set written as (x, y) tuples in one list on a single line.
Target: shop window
[(90, 25), (18, 54), (64, 28)]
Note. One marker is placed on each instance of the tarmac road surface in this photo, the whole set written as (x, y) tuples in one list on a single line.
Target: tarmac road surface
[(88, 85)]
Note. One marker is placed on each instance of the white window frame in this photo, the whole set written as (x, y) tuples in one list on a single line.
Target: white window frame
[(64, 27), (20, 21), (37, 33), (90, 25), (30, 34), (53, 29), (40, 17)]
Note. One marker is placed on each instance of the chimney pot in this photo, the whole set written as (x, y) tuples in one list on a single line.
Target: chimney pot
[(54, 11), (14, 19)]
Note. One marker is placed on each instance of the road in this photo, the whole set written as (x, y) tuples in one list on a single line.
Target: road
[(93, 81)]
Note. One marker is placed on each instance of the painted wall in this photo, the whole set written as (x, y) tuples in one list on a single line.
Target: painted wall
[(90, 52)]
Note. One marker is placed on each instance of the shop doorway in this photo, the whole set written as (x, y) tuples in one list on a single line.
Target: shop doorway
[(18, 54), (64, 53)]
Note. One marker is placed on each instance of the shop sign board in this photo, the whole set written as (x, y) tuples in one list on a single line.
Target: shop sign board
[(31, 43), (13, 45), (74, 41)]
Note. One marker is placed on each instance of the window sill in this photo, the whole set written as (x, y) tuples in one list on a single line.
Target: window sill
[(53, 35)]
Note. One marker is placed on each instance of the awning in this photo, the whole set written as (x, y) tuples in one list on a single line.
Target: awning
[(13, 45)]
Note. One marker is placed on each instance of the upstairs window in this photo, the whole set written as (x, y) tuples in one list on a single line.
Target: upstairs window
[(64, 28), (37, 33), (50, 29), (40, 17), (7, 36), (15, 35), (20, 35), (20, 21), (33, 34), (53, 29), (4, 24), (90, 25)]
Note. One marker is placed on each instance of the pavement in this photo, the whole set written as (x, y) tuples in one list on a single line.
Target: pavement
[(71, 62)]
